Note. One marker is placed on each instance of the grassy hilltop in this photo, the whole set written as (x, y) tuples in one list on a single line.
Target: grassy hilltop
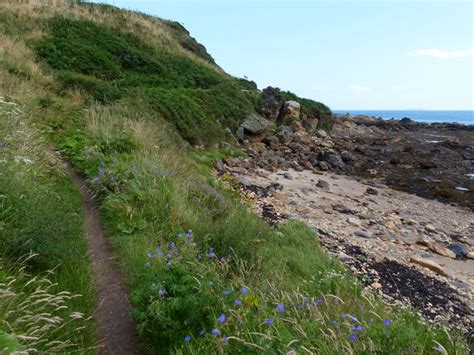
[(124, 96)]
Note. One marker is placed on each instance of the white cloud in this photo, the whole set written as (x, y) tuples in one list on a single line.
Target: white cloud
[(359, 88), (442, 54)]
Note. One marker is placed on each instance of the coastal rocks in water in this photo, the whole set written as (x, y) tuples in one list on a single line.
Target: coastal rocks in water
[(429, 264), (459, 249), (323, 184), (271, 103), (332, 157), (291, 111), (255, 124)]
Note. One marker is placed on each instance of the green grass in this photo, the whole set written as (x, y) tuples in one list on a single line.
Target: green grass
[(126, 132), (40, 214)]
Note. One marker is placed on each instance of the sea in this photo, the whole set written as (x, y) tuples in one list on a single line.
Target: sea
[(429, 116)]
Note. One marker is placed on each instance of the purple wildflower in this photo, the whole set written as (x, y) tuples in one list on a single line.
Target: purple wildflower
[(226, 293), (225, 340), (173, 245), (359, 328), (187, 339), (353, 338), (158, 251), (180, 235), (440, 348), (387, 322), (269, 321), (222, 260), (221, 318), (238, 302), (211, 253), (215, 331), (162, 292), (280, 307), (169, 255), (353, 319), (343, 315), (244, 290)]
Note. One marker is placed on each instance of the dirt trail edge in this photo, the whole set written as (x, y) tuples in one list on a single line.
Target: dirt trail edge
[(117, 332)]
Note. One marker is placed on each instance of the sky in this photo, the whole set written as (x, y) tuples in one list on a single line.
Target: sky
[(365, 55)]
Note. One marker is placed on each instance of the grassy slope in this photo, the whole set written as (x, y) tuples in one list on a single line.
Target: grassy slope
[(140, 101)]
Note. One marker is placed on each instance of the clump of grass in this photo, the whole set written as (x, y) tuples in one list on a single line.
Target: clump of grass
[(34, 314)]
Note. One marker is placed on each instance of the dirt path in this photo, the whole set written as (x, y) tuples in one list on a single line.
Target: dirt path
[(117, 331)]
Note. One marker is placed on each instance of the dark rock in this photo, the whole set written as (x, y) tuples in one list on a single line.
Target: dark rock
[(271, 104), (332, 157), (346, 156), (371, 191), (322, 184), (395, 161), (323, 166), (459, 249), (288, 176)]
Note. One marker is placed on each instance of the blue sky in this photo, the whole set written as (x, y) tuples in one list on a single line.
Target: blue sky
[(347, 54)]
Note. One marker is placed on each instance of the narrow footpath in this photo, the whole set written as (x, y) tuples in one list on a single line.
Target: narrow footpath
[(117, 332)]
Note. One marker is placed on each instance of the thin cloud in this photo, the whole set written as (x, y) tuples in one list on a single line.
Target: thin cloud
[(442, 54), (359, 88)]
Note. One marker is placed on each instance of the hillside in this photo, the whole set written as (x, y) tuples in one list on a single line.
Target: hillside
[(143, 114)]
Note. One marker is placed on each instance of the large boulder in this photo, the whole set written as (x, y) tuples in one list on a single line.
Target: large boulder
[(255, 124), (285, 135), (271, 104)]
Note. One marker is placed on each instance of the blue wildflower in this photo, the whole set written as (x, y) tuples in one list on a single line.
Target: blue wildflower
[(221, 318), (238, 302), (169, 255), (353, 338), (162, 292), (158, 251), (244, 290), (440, 348), (335, 299), (280, 307), (173, 245), (269, 321), (180, 235), (343, 315), (222, 259), (187, 338), (353, 319), (387, 322), (226, 293), (359, 328), (211, 253), (225, 340), (215, 331), (150, 255)]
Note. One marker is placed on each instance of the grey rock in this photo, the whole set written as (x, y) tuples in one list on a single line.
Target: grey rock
[(271, 103), (324, 166), (226, 146), (459, 249), (285, 135), (240, 133), (255, 124), (332, 157), (363, 234), (288, 176), (219, 165), (322, 184)]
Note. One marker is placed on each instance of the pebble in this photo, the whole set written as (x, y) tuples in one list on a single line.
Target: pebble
[(428, 264), (288, 176), (323, 184), (354, 221), (362, 234), (372, 191)]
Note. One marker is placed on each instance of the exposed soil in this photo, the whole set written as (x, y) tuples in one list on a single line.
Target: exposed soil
[(117, 332)]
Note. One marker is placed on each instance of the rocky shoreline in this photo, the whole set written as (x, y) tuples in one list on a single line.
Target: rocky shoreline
[(393, 200)]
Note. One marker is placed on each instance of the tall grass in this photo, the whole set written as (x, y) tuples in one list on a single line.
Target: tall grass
[(40, 213)]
